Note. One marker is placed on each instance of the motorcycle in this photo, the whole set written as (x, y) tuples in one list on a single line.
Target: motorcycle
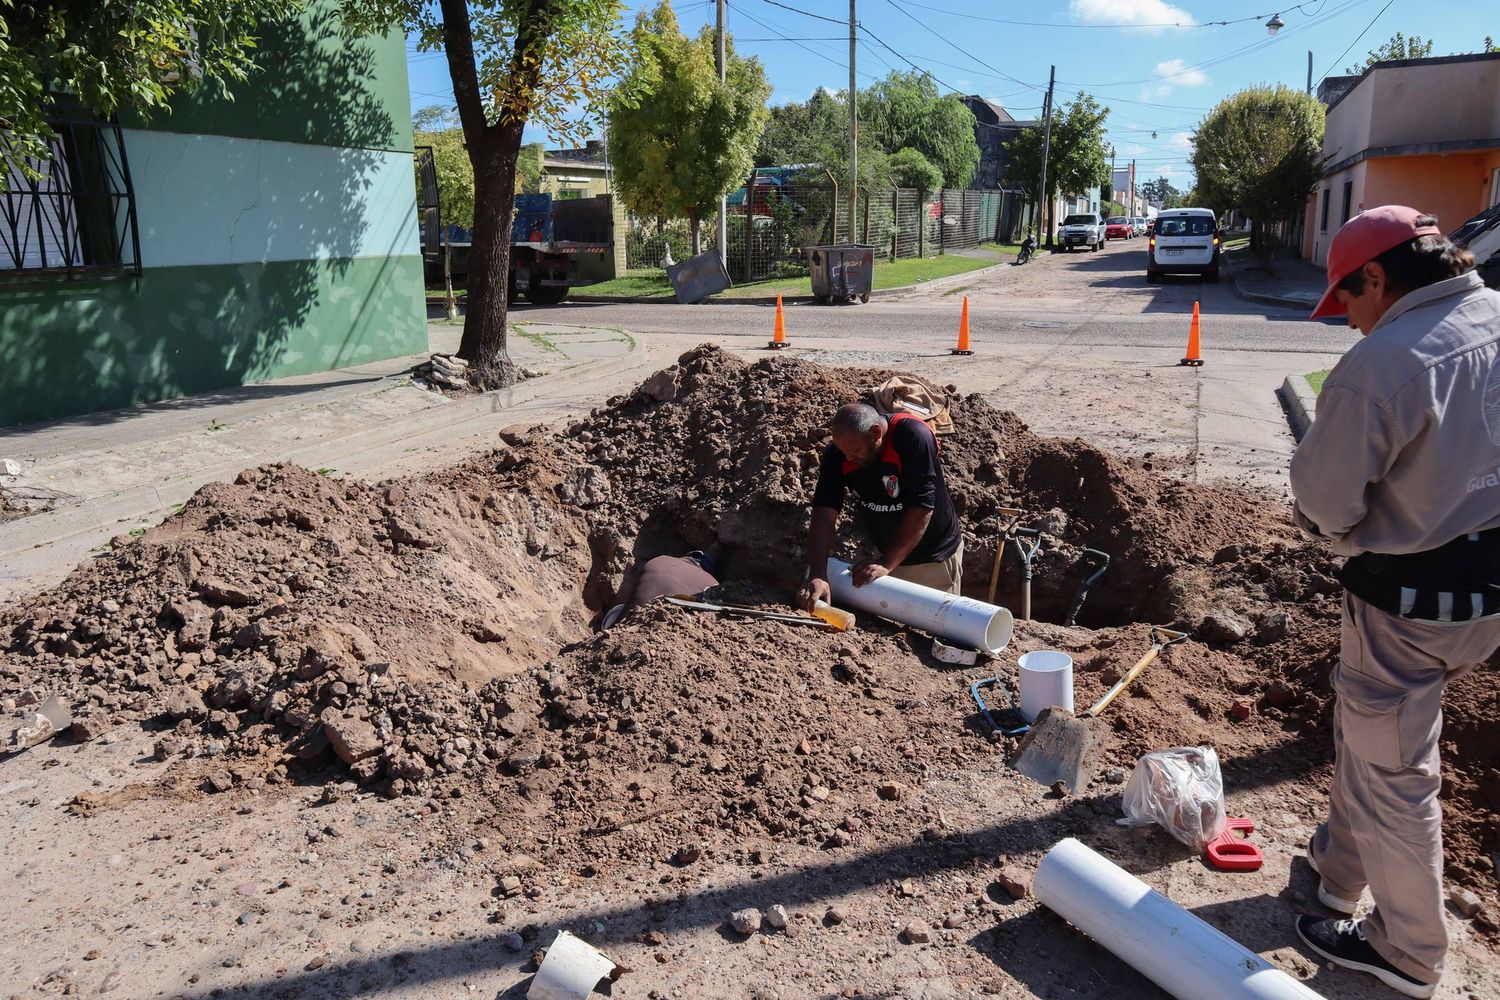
[(1028, 247)]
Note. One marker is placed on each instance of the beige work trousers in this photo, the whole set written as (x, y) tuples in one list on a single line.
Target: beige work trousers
[(946, 575), (1384, 827)]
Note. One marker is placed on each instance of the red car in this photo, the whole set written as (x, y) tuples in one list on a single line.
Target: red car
[(1117, 227)]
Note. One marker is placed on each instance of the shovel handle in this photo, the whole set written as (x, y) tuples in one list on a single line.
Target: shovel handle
[(1012, 517), (1161, 638)]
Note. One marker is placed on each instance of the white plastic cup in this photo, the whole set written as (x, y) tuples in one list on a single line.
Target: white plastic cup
[(1046, 681)]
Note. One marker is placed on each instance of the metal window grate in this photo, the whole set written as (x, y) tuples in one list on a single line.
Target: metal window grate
[(72, 214)]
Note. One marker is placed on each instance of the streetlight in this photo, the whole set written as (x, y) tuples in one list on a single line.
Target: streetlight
[(1275, 24)]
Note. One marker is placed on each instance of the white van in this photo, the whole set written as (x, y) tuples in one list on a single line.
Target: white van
[(1185, 241)]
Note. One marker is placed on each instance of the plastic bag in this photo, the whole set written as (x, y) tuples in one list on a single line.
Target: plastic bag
[(1181, 790)]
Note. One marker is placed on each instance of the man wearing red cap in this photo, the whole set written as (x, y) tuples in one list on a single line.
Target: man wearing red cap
[(1401, 472)]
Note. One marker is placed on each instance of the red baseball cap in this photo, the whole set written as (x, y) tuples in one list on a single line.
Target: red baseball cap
[(1363, 238)]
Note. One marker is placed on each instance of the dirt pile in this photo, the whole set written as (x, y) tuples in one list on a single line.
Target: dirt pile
[(431, 636)]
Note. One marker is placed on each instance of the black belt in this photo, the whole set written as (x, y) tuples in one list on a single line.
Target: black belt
[(1456, 582)]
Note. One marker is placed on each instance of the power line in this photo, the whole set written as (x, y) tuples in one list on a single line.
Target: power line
[(955, 48), (807, 13), (1233, 54), (1158, 24), (1356, 40), (812, 51)]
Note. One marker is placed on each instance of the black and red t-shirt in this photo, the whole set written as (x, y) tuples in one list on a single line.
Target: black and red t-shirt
[(905, 474)]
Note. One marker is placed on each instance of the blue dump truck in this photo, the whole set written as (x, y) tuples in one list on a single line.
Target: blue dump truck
[(552, 245)]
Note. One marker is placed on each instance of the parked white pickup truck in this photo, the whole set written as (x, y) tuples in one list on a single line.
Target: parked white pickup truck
[(1081, 229)]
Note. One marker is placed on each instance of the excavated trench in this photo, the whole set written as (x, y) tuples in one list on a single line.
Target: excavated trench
[(434, 633)]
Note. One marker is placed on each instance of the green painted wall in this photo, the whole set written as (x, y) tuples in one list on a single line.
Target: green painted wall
[(313, 141), (79, 347), (311, 85)]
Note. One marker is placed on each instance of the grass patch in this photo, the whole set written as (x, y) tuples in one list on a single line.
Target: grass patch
[(538, 339), (326, 471), (1237, 244), (653, 283), (1315, 379), (644, 283), (439, 291), (1003, 249)]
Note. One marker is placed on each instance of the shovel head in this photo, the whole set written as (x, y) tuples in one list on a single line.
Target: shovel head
[(1059, 747)]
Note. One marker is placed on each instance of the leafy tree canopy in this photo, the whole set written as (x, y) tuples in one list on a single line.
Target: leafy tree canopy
[(678, 138), (1161, 193), (1076, 160), (107, 56), (1260, 151), (905, 110), (1399, 46), (902, 111), (910, 169)]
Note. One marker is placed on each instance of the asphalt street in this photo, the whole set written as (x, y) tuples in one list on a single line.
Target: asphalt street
[(1064, 301)]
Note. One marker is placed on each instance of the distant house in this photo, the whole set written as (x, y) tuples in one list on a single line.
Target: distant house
[(1418, 132), (576, 173), (225, 243), (993, 128)]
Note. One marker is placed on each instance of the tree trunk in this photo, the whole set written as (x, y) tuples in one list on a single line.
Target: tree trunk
[(1265, 246), (484, 340), (695, 229)]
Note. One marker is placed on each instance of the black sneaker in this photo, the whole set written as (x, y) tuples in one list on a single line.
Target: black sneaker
[(1343, 942)]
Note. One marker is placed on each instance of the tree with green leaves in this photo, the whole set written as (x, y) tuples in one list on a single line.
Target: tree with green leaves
[(910, 169), (1260, 151), (108, 56), (678, 138), (1160, 193), (510, 62), (1076, 160), (1399, 46), (905, 110)]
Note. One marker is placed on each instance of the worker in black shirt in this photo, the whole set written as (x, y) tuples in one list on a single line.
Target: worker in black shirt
[(892, 466)]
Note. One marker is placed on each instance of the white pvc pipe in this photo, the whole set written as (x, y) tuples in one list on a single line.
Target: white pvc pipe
[(962, 620), (1168, 945)]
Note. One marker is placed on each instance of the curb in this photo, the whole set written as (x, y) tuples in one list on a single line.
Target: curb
[(1266, 298), (1301, 404), (25, 535)]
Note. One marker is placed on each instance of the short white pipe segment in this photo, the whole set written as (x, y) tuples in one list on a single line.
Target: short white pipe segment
[(963, 620), (1165, 943)]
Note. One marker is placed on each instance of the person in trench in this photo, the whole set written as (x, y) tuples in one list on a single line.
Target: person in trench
[(892, 465), (668, 576), (1400, 471)]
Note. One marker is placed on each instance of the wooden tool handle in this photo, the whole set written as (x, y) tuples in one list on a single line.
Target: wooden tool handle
[(1114, 692)]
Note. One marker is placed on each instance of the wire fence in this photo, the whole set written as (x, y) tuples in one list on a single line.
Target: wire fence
[(771, 226)]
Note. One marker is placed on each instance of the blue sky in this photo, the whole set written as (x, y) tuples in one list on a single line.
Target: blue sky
[(1158, 65)]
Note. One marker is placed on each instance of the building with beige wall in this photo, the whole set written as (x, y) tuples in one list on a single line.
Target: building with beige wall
[(1418, 132)]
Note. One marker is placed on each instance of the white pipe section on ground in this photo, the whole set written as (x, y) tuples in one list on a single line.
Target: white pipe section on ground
[(973, 624), (1168, 945)]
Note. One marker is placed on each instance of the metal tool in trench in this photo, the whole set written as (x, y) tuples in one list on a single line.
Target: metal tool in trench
[(1091, 566), (1010, 517), (1028, 553), (732, 611), (1058, 745)]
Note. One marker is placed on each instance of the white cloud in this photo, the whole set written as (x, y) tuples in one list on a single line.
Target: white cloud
[(1181, 74), (1128, 12), (1181, 140), (1160, 90)]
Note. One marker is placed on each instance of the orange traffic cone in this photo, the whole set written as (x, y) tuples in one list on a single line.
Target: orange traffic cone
[(963, 331), (1193, 359), (778, 339)]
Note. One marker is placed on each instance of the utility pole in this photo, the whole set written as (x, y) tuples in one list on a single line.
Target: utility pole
[(853, 129), (1309, 72), (1046, 148), (1130, 209), (722, 232)]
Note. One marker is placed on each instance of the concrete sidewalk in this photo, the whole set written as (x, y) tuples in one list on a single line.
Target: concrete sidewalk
[(109, 473), (1295, 284)]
